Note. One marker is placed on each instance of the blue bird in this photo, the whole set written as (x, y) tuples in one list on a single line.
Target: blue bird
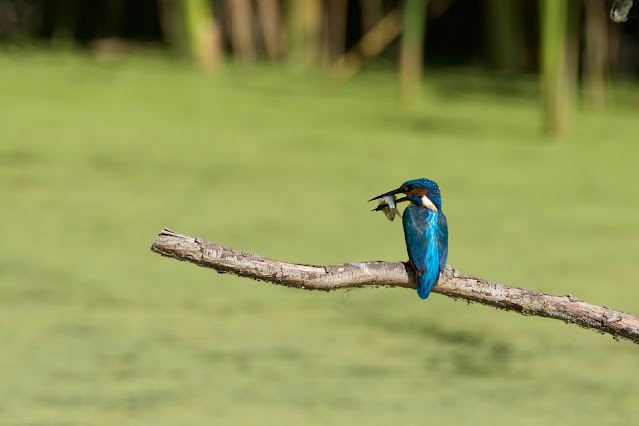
[(425, 231)]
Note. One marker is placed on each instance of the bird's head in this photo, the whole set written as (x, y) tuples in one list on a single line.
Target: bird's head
[(421, 192)]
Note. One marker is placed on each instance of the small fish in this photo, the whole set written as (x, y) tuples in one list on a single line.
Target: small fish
[(620, 10), (387, 205)]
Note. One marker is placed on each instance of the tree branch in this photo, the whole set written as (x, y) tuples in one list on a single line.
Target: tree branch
[(451, 283)]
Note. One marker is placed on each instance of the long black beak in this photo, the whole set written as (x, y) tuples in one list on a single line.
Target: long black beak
[(393, 192)]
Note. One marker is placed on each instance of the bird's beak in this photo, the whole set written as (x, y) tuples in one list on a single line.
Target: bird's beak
[(393, 192)]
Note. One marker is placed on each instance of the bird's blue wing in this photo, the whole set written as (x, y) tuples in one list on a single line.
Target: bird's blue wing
[(442, 240), (417, 237), (422, 244), (418, 234)]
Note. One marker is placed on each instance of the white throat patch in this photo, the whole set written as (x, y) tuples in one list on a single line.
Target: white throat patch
[(426, 202)]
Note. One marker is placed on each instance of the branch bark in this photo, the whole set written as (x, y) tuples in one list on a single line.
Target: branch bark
[(451, 283)]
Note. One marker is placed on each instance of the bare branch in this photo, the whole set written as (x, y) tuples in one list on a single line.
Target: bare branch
[(451, 283)]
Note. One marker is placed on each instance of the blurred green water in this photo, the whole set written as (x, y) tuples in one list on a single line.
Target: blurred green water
[(97, 157)]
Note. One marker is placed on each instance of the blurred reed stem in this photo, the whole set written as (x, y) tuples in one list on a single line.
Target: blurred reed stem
[(202, 34), (554, 84), (410, 63), (504, 22)]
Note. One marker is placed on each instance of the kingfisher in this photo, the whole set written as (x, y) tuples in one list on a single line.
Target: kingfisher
[(425, 230)]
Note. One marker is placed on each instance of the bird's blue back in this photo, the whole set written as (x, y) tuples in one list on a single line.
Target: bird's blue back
[(426, 234)]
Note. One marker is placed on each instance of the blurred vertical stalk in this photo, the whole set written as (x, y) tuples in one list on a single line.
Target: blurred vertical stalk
[(595, 47), (173, 26), (554, 84), (504, 25), (304, 23), (241, 14), (202, 32), (573, 50), (412, 45), (335, 29), (613, 48), (269, 11)]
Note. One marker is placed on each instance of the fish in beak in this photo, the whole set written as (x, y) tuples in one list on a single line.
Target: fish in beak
[(388, 206), (388, 203)]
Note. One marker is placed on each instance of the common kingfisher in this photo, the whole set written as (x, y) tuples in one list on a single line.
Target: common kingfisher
[(425, 230)]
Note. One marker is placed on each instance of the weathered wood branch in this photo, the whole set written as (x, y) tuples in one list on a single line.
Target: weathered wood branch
[(451, 283)]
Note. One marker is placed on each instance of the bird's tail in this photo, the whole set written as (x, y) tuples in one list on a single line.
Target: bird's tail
[(424, 285)]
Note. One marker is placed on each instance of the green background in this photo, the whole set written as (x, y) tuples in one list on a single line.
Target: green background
[(97, 157)]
